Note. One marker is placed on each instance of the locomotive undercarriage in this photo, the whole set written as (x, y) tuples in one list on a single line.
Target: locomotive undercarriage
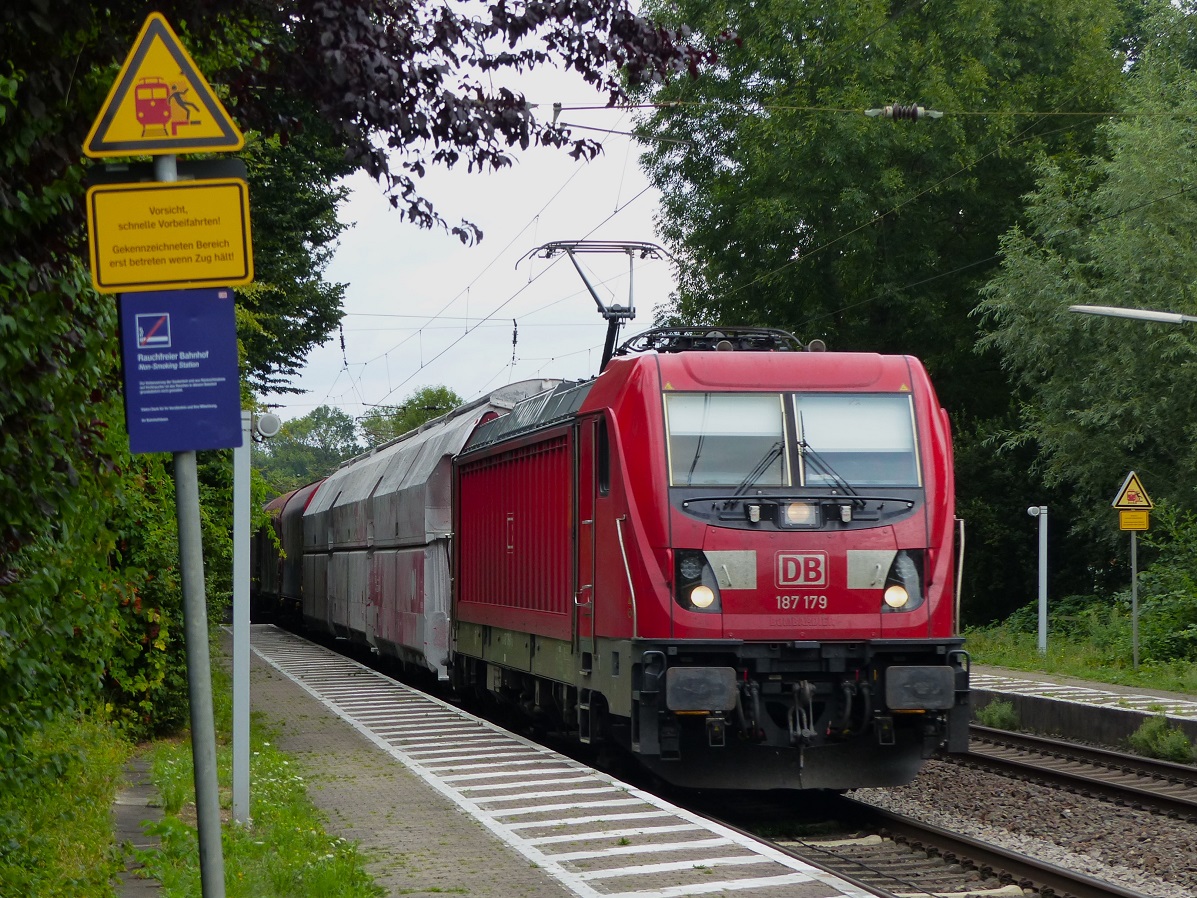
[(730, 714)]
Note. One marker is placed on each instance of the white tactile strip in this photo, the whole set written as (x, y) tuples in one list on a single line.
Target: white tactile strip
[(592, 833), (1085, 695)]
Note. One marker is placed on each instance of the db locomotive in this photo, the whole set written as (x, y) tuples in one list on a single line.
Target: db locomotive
[(725, 554)]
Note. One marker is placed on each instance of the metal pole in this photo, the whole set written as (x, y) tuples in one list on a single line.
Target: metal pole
[(199, 675), (1135, 599), (1042, 579), (241, 537), (1040, 511), (195, 634)]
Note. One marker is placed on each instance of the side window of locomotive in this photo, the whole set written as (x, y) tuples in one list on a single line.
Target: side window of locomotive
[(864, 439), (603, 459), (726, 439)]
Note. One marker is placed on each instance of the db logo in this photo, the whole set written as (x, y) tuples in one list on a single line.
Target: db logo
[(809, 569)]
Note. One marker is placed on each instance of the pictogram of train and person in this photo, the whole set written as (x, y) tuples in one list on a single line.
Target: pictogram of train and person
[(163, 105)]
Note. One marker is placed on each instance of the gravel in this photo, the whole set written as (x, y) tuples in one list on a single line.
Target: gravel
[(1149, 853)]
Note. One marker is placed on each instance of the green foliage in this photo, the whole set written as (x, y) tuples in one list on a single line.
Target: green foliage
[(1155, 739), (999, 715), (803, 213), (284, 852), (385, 423), (1168, 587), (1106, 659), (307, 449), (290, 308), (55, 823), (1111, 230)]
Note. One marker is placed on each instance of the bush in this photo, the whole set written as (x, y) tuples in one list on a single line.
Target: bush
[(55, 826), (1154, 739), (999, 715)]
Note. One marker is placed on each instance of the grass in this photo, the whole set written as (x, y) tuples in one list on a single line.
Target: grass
[(1155, 739), (1003, 647), (55, 827), (999, 715), (284, 851)]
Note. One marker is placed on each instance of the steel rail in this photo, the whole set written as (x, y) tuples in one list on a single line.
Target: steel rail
[(1098, 783), (1026, 871)]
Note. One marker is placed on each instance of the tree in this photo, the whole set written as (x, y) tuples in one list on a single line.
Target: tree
[(321, 87), (290, 308), (1105, 396), (307, 449), (385, 423), (787, 206), (801, 212)]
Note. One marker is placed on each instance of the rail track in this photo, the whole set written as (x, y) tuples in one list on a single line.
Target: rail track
[(1158, 786), (895, 856)]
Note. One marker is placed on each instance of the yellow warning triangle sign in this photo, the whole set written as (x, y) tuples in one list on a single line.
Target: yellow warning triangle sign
[(1132, 495), (160, 103)]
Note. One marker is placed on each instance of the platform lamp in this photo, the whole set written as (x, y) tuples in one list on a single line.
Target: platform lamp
[(1140, 314), (253, 428)]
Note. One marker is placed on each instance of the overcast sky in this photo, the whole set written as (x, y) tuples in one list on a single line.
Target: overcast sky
[(422, 310)]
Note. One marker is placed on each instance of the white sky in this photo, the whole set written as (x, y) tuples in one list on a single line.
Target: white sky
[(422, 310)]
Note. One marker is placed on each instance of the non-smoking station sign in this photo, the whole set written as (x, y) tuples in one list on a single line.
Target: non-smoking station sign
[(180, 353)]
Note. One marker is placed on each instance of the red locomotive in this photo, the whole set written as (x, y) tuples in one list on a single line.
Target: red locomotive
[(728, 556)]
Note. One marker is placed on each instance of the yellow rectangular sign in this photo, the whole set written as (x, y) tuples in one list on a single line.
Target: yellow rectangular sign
[(169, 235), (1134, 520)]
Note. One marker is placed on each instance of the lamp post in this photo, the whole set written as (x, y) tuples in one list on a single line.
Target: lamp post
[(1040, 512), (1139, 314), (263, 426)]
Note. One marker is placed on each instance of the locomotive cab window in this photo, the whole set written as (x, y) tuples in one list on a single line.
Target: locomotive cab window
[(863, 439), (726, 439)]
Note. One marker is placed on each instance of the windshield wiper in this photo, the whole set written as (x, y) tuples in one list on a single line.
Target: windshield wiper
[(821, 466), (761, 467)]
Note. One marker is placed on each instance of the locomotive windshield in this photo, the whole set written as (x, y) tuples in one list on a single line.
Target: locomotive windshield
[(866, 440), (726, 439), (739, 440)]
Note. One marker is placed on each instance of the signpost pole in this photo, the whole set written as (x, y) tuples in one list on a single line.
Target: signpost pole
[(199, 665), (1135, 599), (1134, 507)]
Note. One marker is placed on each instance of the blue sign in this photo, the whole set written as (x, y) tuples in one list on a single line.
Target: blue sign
[(182, 388)]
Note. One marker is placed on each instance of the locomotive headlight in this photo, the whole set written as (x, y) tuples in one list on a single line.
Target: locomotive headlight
[(896, 596), (696, 588), (903, 589), (800, 514), (702, 597)]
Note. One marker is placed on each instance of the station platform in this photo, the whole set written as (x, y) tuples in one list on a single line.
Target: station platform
[(1078, 709), (440, 801)]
